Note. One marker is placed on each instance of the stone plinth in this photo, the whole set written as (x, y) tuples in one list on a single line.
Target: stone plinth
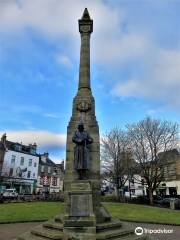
[(79, 219)]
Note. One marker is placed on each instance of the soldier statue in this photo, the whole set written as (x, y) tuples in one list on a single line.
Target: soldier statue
[(81, 151)]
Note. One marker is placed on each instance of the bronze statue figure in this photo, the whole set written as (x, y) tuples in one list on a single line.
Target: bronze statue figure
[(81, 151)]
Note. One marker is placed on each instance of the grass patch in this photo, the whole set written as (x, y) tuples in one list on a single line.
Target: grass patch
[(37, 211), (141, 213), (31, 211)]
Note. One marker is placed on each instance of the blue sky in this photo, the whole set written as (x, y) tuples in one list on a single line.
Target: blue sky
[(135, 59)]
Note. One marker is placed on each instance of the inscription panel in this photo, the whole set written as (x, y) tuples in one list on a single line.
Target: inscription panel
[(79, 205)]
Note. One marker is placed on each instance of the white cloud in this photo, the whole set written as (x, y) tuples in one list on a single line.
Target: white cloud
[(41, 138), (51, 115), (64, 60), (126, 89), (157, 75), (59, 19), (159, 81)]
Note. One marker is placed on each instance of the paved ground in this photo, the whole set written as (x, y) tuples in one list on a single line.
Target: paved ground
[(11, 231)]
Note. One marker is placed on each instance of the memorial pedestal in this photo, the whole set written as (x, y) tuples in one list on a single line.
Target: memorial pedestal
[(79, 221)]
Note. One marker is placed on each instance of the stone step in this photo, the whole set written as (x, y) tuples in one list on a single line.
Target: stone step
[(115, 223), (113, 233), (47, 233), (30, 236), (79, 223), (53, 225)]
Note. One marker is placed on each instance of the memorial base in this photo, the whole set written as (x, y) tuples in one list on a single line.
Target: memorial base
[(79, 221)]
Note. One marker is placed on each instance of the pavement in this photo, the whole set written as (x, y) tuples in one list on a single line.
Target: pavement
[(12, 230)]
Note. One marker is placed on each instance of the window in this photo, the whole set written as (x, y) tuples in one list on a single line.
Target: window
[(34, 175), (54, 181), (13, 159), (42, 168), (29, 174), (18, 147), (42, 180), (30, 162), (22, 161), (49, 169), (11, 172), (48, 180), (32, 150), (35, 164)]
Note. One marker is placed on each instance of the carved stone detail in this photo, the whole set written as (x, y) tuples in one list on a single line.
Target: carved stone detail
[(83, 106), (85, 28)]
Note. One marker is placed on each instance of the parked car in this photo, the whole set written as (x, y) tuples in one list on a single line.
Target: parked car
[(10, 193)]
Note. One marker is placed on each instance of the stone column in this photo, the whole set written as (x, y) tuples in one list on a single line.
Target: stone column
[(85, 29), (84, 68)]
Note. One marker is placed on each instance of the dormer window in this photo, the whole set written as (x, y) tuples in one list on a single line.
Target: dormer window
[(18, 147), (32, 150)]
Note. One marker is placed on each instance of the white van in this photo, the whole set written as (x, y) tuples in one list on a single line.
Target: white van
[(10, 193)]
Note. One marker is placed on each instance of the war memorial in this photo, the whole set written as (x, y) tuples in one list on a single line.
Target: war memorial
[(84, 217)]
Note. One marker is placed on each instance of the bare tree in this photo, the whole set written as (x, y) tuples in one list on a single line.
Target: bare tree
[(115, 158), (148, 138)]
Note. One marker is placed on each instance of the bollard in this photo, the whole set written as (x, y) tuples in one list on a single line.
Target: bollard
[(172, 204)]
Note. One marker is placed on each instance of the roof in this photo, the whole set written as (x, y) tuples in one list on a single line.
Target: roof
[(26, 149), (48, 162), (61, 166), (85, 15)]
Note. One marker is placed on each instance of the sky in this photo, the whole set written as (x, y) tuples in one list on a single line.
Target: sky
[(135, 65)]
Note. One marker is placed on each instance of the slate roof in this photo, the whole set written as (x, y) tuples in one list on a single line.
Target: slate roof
[(12, 146)]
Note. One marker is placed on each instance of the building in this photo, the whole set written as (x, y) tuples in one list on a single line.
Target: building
[(134, 186), (171, 181), (50, 175), (18, 166), (169, 186)]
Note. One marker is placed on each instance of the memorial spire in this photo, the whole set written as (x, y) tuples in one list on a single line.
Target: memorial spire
[(85, 29)]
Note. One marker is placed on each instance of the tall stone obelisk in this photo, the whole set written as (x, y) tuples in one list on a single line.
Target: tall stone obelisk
[(84, 111), (84, 218)]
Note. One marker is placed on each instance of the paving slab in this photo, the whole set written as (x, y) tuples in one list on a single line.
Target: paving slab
[(12, 230)]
